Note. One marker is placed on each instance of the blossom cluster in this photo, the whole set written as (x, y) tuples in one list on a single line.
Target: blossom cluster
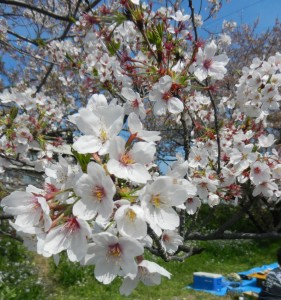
[(110, 200)]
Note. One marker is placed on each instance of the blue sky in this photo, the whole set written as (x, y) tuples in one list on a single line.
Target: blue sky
[(247, 11)]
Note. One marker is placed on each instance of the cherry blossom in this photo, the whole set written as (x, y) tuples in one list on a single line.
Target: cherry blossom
[(136, 139), (158, 199), (136, 129), (111, 254), (134, 103), (71, 236), (171, 240), (99, 128), (164, 100), (207, 64), (259, 172), (96, 191), (30, 210), (131, 221), (149, 273), (130, 164)]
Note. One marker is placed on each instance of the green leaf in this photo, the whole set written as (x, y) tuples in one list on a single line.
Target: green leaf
[(13, 113), (113, 47), (42, 142), (72, 19), (40, 42), (82, 159)]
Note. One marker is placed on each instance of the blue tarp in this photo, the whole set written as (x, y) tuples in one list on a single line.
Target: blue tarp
[(247, 285)]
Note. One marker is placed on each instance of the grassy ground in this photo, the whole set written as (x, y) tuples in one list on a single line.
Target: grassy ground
[(25, 276)]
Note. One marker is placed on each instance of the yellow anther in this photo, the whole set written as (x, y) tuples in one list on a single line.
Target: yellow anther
[(131, 214), (103, 135), (99, 193), (114, 250), (126, 159), (156, 200)]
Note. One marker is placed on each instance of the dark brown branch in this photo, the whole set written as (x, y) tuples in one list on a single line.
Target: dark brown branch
[(21, 51), (22, 38), (62, 37), (250, 214), (188, 253), (37, 9), (92, 5), (6, 217), (44, 78), (10, 236), (193, 20), (216, 129), (160, 249), (14, 161), (233, 236)]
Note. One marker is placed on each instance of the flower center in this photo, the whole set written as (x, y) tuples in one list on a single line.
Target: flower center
[(257, 170), (99, 193), (36, 204), (135, 103), (166, 96), (72, 224), (126, 159), (156, 200), (166, 238), (114, 250), (203, 184), (143, 271), (131, 215), (207, 63), (103, 135)]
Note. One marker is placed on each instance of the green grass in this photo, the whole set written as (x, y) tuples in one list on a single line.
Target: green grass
[(18, 274), (71, 281), (28, 276)]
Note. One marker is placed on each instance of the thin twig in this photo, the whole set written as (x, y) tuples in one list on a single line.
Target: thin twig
[(160, 249), (193, 20), (62, 37), (21, 51), (233, 236), (22, 38), (10, 236), (216, 129), (37, 9)]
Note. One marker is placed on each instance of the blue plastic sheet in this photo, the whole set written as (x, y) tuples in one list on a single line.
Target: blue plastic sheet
[(247, 285)]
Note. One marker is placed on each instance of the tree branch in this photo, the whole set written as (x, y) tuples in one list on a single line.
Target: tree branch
[(22, 38), (62, 37), (233, 236), (160, 249), (216, 129), (193, 20), (37, 9), (6, 217)]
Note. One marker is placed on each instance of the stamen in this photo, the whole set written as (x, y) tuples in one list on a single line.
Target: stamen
[(156, 200), (131, 215), (126, 159), (99, 193), (207, 63), (114, 250), (103, 135)]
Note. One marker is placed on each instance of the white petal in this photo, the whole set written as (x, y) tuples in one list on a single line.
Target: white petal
[(175, 106), (106, 272), (87, 144), (128, 285)]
